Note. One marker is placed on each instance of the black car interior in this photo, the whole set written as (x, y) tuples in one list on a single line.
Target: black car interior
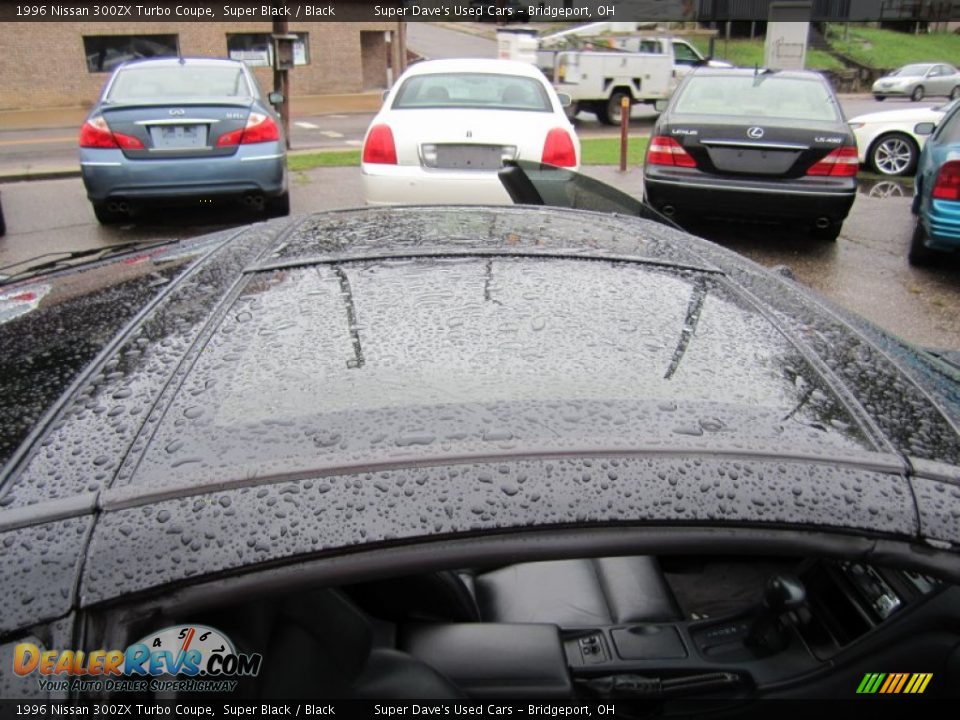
[(599, 628)]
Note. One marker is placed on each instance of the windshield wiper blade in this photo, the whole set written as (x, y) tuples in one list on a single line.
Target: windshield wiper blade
[(37, 265)]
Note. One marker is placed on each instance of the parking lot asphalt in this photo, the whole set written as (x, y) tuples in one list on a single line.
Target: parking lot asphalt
[(866, 270)]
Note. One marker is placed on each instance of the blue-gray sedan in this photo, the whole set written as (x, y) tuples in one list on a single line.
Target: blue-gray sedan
[(182, 131)]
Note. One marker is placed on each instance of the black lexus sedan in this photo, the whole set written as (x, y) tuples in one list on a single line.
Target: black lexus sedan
[(753, 144), (471, 453)]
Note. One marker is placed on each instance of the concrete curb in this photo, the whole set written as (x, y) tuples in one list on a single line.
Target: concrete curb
[(53, 174)]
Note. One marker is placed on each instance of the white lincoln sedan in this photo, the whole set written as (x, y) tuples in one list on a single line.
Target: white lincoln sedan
[(447, 127)]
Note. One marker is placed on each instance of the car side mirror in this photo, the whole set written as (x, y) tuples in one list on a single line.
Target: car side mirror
[(275, 98), (565, 100), (383, 98), (924, 128), (660, 105)]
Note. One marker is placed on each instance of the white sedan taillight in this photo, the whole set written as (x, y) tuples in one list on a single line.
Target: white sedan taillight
[(558, 149), (379, 148)]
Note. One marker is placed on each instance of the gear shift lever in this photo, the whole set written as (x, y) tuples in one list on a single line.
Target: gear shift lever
[(782, 593)]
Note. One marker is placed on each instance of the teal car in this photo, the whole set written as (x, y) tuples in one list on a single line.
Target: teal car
[(936, 201)]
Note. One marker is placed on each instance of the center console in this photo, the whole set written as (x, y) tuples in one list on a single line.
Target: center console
[(803, 621)]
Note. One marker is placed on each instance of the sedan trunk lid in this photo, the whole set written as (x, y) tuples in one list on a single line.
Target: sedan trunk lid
[(468, 139), (734, 146), (187, 130)]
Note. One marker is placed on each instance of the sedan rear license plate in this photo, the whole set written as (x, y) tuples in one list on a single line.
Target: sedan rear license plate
[(176, 137), (469, 157), (756, 162)]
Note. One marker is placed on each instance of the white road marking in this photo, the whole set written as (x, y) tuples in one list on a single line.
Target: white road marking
[(331, 134), (355, 143), (306, 125)]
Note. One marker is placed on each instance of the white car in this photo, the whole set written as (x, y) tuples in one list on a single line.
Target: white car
[(888, 142), (447, 126)]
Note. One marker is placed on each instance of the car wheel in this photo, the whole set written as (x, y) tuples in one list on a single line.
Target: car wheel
[(830, 233), (3, 223), (917, 94), (920, 255), (955, 93), (894, 154), (879, 98), (279, 206), (602, 111), (571, 110), (613, 107), (106, 216)]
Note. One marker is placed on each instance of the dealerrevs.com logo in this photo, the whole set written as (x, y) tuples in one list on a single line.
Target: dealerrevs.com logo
[(182, 658)]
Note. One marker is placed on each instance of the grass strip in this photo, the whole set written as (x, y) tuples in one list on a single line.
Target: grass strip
[(324, 158), (595, 151)]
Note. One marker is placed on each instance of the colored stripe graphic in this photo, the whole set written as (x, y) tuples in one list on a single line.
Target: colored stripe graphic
[(891, 683), (870, 683), (903, 681), (894, 683), (918, 683)]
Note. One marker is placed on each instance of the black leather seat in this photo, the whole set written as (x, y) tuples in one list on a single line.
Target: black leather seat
[(319, 645), (577, 593), (569, 593)]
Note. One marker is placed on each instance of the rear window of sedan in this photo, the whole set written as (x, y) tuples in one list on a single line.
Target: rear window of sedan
[(472, 90), (757, 96), (178, 81)]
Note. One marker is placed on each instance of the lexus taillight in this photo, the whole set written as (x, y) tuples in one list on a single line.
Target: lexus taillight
[(259, 128), (947, 185), (665, 150), (95, 133), (558, 149), (841, 162), (379, 147)]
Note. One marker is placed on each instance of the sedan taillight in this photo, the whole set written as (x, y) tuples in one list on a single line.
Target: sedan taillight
[(841, 162), (95, 133), (259, 128), (558, 149), (665, 150), (947, 185), (379, 148)]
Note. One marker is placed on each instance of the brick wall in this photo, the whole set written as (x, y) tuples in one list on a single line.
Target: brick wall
[(44, 65)]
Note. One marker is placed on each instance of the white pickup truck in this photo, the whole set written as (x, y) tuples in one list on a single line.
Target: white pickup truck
[(599, 74)]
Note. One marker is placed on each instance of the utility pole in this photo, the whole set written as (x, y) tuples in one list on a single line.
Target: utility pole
[(402, 37), (281, 81)]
